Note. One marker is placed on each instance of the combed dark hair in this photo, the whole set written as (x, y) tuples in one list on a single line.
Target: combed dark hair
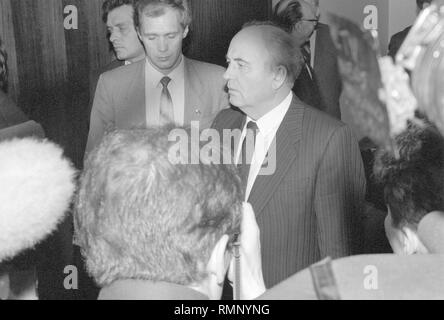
[(156, 8), (414, 183), (139, 216), (3, 68), (288, 17), (110, 5), (283, 49)]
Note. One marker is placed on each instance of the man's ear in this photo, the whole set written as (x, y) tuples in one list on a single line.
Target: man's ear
[(217, 264), (280, 76), (185, 32)]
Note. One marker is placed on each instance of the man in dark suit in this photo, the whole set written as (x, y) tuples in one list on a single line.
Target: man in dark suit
[(398, 38), (319, 83), (308, 207)]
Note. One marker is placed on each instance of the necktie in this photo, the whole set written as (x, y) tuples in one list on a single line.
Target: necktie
[(166, 103), (306, 53), (248, 147)]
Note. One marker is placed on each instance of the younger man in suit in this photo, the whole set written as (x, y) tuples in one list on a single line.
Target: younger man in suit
[(163, 88)]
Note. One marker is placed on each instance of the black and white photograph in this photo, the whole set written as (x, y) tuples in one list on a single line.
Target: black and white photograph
[(238, 151)]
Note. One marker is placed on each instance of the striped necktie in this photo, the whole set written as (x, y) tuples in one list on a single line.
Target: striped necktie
[(166, 103)]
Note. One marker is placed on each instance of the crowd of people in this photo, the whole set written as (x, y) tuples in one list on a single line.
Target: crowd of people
[(289, 193)]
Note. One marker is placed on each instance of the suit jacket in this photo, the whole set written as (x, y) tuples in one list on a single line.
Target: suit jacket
[(14, 123), (119, 101), (148, 290), (327, 91), (310, 207), (396, 41), (95, 79)]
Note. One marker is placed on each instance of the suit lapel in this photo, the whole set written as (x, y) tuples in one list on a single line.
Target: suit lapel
[(135, 96), (193, 93), (287, 140)]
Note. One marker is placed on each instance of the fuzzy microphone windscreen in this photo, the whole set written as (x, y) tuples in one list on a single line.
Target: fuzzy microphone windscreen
[(36, 186)]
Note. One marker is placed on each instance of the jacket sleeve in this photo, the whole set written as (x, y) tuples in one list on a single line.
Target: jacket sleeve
[(102, 115), (339, 196)]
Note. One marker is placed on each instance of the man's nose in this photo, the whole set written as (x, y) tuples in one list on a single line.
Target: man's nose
[(162, 45), (228, 73), (113, 37)]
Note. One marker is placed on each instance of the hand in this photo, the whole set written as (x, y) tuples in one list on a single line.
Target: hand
[(251, 279)]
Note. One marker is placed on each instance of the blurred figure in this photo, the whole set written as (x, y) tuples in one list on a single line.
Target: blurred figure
[(36, 184), (413, 185), (398, 38), (366, 277), (150, 229), (319, 83)]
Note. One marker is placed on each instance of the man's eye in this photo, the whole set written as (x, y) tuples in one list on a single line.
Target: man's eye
[(171, 36)]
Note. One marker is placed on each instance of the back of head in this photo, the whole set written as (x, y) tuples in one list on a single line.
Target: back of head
[(414, 183), (287, 13), (3, 68), (139, 216), (283, 50), (110, 5), (36, 184), (156, 8)]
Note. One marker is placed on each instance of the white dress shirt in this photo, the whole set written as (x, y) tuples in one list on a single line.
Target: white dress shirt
[(176, 87), (268, 126), (313, 47)]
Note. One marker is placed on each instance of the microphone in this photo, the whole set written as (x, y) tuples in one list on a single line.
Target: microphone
[(36, 186)]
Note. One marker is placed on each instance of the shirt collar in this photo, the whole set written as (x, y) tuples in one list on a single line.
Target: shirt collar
[(155, 76), (274, 117)]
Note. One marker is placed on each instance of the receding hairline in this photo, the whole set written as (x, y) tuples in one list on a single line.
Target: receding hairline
[(265, 34), (159, 9)]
